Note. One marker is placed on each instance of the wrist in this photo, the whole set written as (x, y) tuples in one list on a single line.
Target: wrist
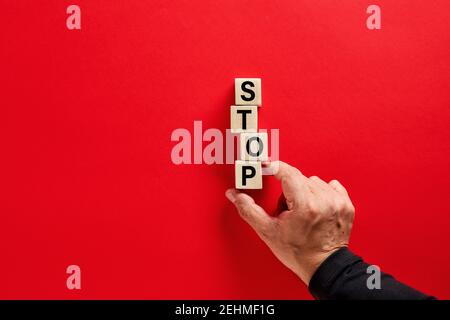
[(308, 266)]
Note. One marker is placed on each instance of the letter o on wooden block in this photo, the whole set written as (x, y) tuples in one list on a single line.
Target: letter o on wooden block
[(248, 175), (254, 146), (247, 91)]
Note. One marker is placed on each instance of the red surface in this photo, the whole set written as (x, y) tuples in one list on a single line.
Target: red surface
[(86, 118)]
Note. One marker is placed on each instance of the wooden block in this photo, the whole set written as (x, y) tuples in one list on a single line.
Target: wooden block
[(244, 119), (247, 91), (254, 146), (248, 174)]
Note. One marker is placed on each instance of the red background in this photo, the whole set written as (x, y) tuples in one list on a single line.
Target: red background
[(85, 125)]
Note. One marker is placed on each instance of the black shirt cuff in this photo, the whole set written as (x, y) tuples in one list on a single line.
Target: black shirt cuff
[(329, 271)]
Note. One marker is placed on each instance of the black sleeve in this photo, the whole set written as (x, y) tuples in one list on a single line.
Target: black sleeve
[(344, 275)]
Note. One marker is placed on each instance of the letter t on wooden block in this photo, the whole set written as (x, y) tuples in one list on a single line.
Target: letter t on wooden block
[(254, 146), (247, 91), (248, 174), (244, 119)]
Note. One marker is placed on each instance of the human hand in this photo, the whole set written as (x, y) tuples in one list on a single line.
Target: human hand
[(316, 219)]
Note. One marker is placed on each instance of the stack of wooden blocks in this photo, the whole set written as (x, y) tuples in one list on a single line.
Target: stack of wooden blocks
[(253, 145)]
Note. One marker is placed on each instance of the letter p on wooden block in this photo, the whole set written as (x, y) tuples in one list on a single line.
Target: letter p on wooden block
[(248, 174), (247, 91)]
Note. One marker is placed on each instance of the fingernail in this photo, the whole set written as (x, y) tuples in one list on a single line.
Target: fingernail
[(230, 195)]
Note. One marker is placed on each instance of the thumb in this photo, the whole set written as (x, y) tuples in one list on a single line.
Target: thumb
[(253, 214)]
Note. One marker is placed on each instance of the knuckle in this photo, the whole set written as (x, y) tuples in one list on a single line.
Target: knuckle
[(351, 211), (241, 203), (295, 172), (350, 206), (333, 182), (242, 209), (339, 204), (348, 211), (312, 207), (309, 204)]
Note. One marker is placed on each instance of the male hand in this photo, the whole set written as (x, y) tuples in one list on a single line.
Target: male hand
[(316, 221)]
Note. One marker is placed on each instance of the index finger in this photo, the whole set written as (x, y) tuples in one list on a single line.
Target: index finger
[(293, 182)]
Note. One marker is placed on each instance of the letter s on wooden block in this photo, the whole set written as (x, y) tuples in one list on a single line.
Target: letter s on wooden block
[(248, 175), (247, 91), (254, 146), (244, 119)]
